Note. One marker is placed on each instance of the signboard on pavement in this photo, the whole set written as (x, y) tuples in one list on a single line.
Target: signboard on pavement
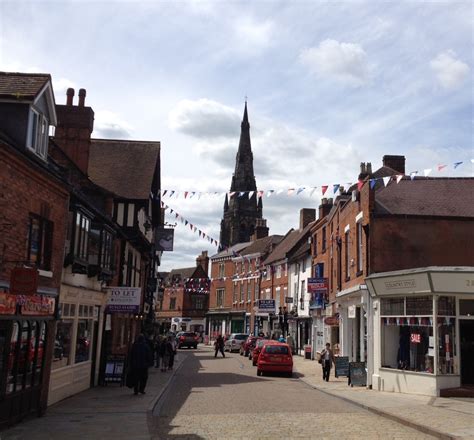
[(123, 300), (341, 366), (357, 374), (266, 305)]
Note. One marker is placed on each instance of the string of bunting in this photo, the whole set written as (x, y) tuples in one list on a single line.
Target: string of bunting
[(311, 190)]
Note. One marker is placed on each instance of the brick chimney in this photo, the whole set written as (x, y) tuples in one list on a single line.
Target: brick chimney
[(73, 132), (365, 170), (325, 207), (307, 215), (203, 261), (397, 163), (261, 229)]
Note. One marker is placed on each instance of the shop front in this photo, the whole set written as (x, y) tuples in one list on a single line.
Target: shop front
[(423, 322), (26, 344), (352, 306), (237, 321), (75, 364)]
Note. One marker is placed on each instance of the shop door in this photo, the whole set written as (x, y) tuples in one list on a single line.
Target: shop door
[(466, 328)]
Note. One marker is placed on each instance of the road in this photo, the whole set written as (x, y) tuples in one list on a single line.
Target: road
[(224, 399)]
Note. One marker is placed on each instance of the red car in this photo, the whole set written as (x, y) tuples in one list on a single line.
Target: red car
[(275, 357), (258, 347), (246, 346)]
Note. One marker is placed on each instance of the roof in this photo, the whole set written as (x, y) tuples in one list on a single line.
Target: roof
[(185, 272), (230, 251), (22, 86), (446, 197), (262, 245), (288, 243), (126, 168)]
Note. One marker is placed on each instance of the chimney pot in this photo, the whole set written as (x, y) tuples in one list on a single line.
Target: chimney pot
[(82, 97), (70, 96)]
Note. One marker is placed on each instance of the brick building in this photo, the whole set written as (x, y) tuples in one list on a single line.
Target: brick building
[(185, 298), (377, 228), (34, 201)]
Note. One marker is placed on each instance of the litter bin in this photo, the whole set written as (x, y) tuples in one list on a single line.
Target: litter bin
[(307, 351)]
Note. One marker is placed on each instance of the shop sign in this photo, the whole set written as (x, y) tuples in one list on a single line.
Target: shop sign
[(164, 239), (415, 338), (331, 320), (123, 300), (318, 288), (7, 304), (266, 305), (37, 305), (24, 281), (289, 300)]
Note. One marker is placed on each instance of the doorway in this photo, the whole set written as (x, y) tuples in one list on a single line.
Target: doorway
[(466, 330)]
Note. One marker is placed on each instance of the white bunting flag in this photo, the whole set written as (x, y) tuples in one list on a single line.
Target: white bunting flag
[(386, 180), (399, 177), (427, 172)]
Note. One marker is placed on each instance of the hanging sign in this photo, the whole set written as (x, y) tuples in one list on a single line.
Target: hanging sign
[(24, 281), (331, 320), (318, 288), (123, 300)]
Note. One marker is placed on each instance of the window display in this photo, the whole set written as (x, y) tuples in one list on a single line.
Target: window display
[(83, 340), (62, 344)]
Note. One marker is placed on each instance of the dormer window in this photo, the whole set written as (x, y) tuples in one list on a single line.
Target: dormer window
[(38, 133)]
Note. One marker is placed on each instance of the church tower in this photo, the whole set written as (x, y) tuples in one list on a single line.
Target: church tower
[(242, 214)]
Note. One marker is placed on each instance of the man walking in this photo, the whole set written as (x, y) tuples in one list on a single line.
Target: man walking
[(219, 345), (327, 358), (141, 358)]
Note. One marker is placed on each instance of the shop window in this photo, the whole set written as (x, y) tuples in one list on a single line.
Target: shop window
[(83, 340), (419, 305), (12, 364), (447, 345), (447, 306), (466, 307), (40, 242), (20, 357), (393, 306), (62, 344)]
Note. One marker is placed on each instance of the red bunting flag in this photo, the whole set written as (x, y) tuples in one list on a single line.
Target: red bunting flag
[(324, 188), (440, 167), (186, 194), (360, 184)]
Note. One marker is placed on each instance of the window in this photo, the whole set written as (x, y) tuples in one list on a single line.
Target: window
[(172, 303), (278, 271), (221, 270), (257, 291), (242, 291), (268, 272), (38, 134), (236, 293), (220, 293), (249, 291), (347, 253), (62, 342), (197, 302), (295, 269), (324, 239), (84, 337), (40, 242), (304, 266), (359, 247), (315, 244), (81, 236)]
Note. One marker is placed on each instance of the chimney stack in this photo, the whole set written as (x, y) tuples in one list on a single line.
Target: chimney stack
[(324, 207), (70, 97), (397, 163), (203, 261), (307, 215), (82, 97), (261, 229)]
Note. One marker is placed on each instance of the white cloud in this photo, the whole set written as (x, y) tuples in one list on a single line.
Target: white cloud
[(109, 125), (204, 118), (345, 61), (449, 70), (252, 37)]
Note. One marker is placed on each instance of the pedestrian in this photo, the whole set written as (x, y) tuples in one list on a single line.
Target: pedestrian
[(327, 359), (219, 346), (291, 342), (174, 344), (165, 352), (141, 358), (158, 343), (281, 339)]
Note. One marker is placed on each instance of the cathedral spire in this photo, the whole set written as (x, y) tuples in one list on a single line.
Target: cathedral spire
[(241, 213)]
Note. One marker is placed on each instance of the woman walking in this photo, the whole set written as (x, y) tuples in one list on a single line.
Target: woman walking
[(327, 359)]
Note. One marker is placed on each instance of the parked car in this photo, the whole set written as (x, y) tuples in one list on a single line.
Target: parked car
[(275, 357), (187, 339), (245, 347), (252, 346), (234, 341), (258, 348)]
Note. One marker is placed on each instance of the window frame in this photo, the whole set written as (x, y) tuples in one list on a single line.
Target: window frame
[(45, 245), (37, 141)]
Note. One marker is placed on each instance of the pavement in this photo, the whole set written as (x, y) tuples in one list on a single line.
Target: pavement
[(113, 412), (110, 412), (445, 418)]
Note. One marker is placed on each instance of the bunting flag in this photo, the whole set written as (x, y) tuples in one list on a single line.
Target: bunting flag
[(360, 184), (399, 177), (300, 189)]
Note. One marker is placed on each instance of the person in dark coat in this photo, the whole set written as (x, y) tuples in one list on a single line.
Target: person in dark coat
[(141, 358), (327, 358), (219, 346)]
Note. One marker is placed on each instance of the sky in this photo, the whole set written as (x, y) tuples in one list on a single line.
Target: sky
[(328, 84)]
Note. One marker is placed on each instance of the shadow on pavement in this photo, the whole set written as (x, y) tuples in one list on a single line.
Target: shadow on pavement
[(185, 382)]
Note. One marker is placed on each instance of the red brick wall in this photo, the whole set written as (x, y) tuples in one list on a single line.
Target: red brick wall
[(217, 283), (26, 189)]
